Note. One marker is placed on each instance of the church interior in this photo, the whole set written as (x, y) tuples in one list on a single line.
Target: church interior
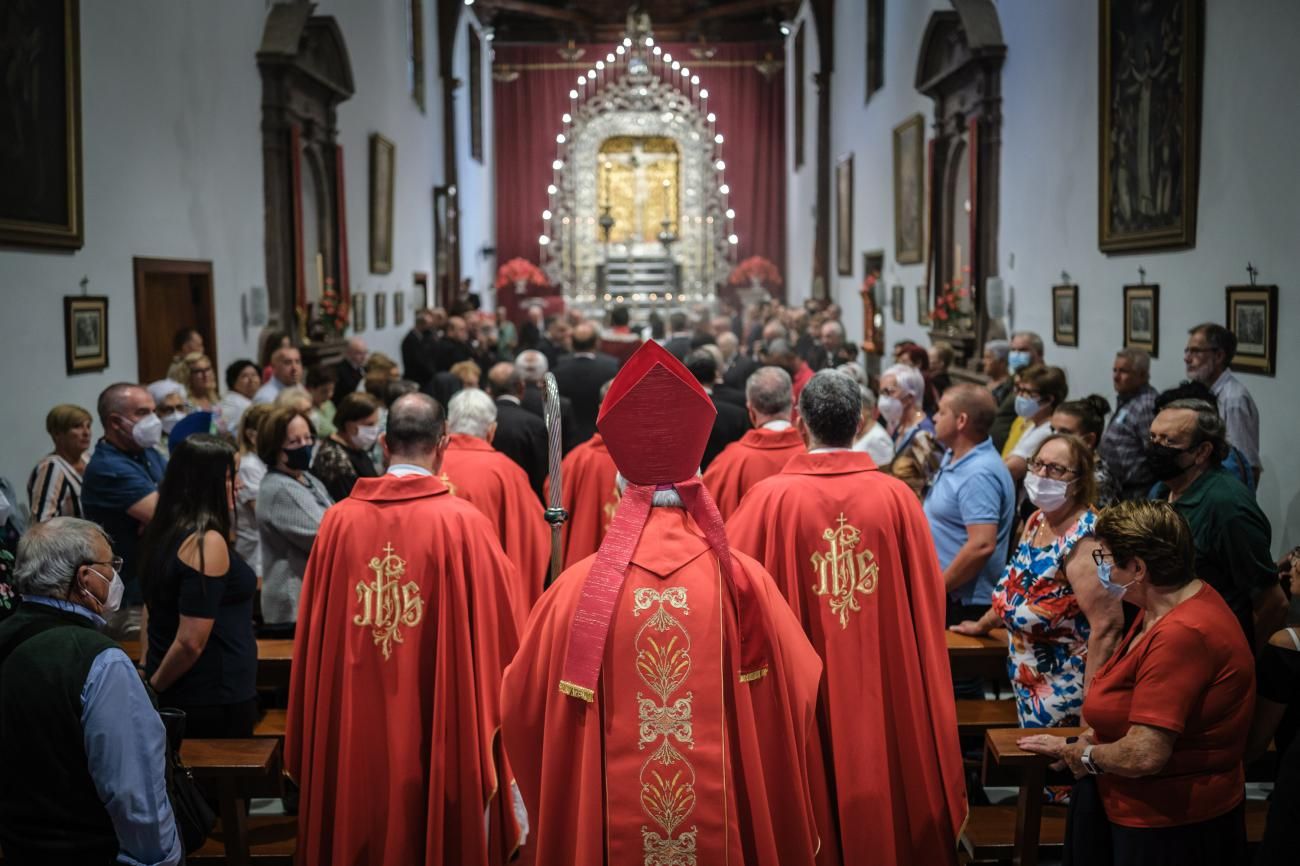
[(1105, 175)]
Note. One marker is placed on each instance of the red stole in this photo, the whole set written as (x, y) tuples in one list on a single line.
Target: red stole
[(759, 454), (590, 495)]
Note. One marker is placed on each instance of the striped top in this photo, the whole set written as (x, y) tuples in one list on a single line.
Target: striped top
[(54, 489)]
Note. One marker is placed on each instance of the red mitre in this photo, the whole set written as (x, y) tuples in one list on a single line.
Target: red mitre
[(655, 420)]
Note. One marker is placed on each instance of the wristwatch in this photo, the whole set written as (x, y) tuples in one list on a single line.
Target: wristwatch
[(1088, 763)]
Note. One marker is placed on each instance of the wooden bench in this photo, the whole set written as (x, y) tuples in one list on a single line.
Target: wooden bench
[(271, 724), (274, 658), (977, 717), (1000, 748), (237, 769), (989, 835), (984, 656)]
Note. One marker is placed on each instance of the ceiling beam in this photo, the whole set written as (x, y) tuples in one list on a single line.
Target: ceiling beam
[(537, 10), (736, 7)]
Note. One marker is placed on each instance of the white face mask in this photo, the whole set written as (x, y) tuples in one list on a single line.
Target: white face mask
[(890, 409), (170, 420), (1048, 494), (115, 590), (367, 436), (148, 431)]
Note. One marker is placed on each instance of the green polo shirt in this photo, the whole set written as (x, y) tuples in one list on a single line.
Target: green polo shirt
[(1233, 540)]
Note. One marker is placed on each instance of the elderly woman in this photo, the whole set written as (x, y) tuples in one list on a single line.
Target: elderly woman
[(1086, 419), (1169, 712), (1062, 623), (344, 456), (242, 382), (1039, 390), (916, 456), (54, 487), (169, 405), (290, 506)]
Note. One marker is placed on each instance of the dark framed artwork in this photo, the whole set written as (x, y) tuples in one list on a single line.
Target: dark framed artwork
[(381, 309), (475, 94), (909, 191), (923, 307), (1252, 317), (399, 309), (844, 215), (40, 172), (875, 46), (1142, 318), (1150, 123), (85, 329), (799, 85), (383, 165), (358, 312), (415, 44), (896, 303), (1065, 315)]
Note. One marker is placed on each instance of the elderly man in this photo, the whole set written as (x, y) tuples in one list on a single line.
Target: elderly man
[(120, 487), (453, 346), (350, 373), (1233, 537), (286, 370), (580, 375), (1210, 349), (82, 780), (520, 435), (762, 451), (833, 350), (1123, 444), (531, 366), (1026, 351), (417, 349), (494, 484), (849, 548), (994, 364), (660, 707), (408, 613), (780, 353)]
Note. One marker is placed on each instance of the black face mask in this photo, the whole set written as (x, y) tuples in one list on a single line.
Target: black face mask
[(1162, 460), (298, 459)]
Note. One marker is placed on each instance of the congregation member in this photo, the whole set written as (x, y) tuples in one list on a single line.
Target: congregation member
[(909, 354), (350, 373), (1232, 537), (994, 365), (971, 504), (1026, 351), (468, 374), (589, 494), (202, 655), (396, 676), (169, 405), (248, 540), (740, 366), (270, 343), (186, 341), (120, 487), (242, 382), (520, 435), (320, 385), (1169, 713), (1086, 419), (619, 341), (680, 335), (295, 397), (1209, 351), (507, 336), (731, 422), (1039, 391), (587, 675), (874, 591), (453, 346), (1235, 463), (1062, 623), (54, 486), (418, 348), (1278, 681), (764, 450), (344, 456), (286, 371), (494, 484), (942, 356), (558, 340), (580, 375), (532, 366), (1123, 444), (290, 506), (873, 440), (832, 350), (84, 775), (916, 457), (194, 371)]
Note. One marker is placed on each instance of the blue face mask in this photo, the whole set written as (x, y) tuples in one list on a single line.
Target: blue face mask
[(1114, 590), (1027, 407), (1018, 360)]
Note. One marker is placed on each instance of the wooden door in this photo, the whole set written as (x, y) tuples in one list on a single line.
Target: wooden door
[(171, 294)]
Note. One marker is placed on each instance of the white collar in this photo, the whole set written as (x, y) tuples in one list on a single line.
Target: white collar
[(778, 424), (402, 470), (510, 398), (828, 450)]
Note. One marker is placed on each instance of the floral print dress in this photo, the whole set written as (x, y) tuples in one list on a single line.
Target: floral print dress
[(1049, 633)]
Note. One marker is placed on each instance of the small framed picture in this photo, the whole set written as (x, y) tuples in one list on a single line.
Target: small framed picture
[(399, 309), (923, 307), (1065, 315), (1142, 318), (85, 328), (381, 309), (1252, 317), (358, 312), (896, 304)]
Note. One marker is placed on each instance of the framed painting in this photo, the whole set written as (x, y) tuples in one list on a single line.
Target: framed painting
[(85, 330), (1150, 123), (1252, 317), (358, 312), (923, 307), (383, 164), (909, 191), (381, 309), (844, 215), (399, 309), (1065, 315), (896, 303), (1142, 318), (41, 103)]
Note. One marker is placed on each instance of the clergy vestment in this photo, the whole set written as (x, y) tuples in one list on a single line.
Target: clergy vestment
[(850, 549), (494, 484), (589, 493), (406, 620), (758, 454)]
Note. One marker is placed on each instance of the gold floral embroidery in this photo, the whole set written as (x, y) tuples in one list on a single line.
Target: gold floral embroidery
[(842, 572), (667, 779), (386, 605)]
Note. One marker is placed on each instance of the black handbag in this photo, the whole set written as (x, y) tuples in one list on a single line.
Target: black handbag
[(194, 817)]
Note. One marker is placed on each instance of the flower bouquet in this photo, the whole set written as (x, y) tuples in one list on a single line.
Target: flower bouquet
[(521, 274), (756, 272)]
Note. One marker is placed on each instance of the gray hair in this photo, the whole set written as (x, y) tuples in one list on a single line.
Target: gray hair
[(1035, 341), (471, 412), (909, 379), (728, 344), (50, 553), (1139, 358), (415, 425), (835, 325), (868, 399), (831, 407), (531, 366), (1209, 426), (854, 371), (769, 391), (667, 498), (1001, 349)]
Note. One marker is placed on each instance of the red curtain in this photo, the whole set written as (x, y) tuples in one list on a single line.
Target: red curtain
[(750, 111)]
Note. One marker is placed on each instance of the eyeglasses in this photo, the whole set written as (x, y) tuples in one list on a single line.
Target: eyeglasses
[(1052, 470), (1099, 556), (200, 370), (116, 562), (1026, 392)]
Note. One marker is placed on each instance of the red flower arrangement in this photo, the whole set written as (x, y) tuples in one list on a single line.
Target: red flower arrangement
[(755, 269), (332, 316), (950, 302), (517, 271)]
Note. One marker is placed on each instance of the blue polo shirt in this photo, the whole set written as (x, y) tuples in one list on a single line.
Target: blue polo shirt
[(975, 489), (114, 481)]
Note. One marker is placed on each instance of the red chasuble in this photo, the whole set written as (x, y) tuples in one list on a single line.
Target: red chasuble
[(494, 484), (759, 454), (850, 549), (676, 761), (590, 495), (406, 620)]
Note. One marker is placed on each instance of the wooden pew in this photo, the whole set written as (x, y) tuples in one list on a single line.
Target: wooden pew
[(984, 656), (238, 769), (274, 658), (1000, 748), (978, 717)]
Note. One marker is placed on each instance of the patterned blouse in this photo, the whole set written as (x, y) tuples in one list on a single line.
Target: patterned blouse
[(1049, 634), (54, 489)]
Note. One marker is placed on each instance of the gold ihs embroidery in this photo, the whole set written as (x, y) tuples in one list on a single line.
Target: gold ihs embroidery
[(842, 572), (386, 605)]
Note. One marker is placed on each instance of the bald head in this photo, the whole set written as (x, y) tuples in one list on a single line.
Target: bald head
[(532, 366), (504, 381), (415, 429), (729, 345), (769, 395), (356, 351), (584, 337)]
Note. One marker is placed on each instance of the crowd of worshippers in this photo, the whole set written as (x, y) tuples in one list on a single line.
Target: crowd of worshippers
[(1120, 547)]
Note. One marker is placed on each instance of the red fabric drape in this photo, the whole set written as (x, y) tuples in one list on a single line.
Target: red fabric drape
[(750, 113)]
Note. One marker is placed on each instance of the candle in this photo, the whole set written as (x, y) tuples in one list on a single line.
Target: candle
[(666, 217)]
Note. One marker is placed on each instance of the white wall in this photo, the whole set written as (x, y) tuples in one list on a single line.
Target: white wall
[(171, 113), (1048, 195), (477, 210), (801, 185)]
